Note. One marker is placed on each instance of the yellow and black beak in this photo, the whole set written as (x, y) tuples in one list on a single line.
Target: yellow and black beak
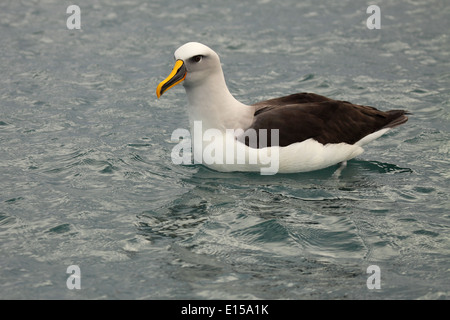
[(177, 75)]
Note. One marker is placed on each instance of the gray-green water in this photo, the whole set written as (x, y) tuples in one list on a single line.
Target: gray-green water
[(86, 176)]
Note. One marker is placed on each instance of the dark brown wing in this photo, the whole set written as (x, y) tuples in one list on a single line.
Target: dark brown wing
[(293, 99), (306, 115)]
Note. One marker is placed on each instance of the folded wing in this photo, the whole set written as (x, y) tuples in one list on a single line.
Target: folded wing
[(303, 116)]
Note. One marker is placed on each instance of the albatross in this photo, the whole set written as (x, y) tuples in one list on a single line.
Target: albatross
[(295, 133)]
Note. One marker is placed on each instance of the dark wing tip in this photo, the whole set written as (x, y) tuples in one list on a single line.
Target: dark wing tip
[(398, 117)]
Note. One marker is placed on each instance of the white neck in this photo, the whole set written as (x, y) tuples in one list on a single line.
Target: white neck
[(212, 103)]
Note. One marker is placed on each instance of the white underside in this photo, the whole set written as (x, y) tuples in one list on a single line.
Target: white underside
[(309, 155)]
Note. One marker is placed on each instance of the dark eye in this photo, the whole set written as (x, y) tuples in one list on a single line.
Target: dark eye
[(197, 58)]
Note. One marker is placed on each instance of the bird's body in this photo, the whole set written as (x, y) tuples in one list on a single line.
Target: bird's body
[(297, 133)]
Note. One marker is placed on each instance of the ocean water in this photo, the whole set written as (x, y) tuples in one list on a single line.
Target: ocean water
[(86, 176)]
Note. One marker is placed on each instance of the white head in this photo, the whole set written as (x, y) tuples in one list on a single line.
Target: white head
[(210, 101), (195, 63)]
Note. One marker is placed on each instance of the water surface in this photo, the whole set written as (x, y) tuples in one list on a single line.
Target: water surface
[(86, 175)]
